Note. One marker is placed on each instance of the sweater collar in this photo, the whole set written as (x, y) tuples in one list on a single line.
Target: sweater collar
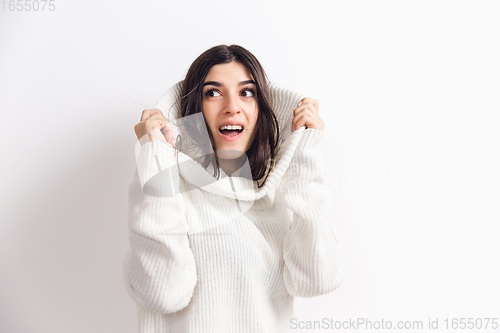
[(241, 187)]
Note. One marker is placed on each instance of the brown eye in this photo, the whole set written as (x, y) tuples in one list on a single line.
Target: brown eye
[(210, 91), (249, 90)]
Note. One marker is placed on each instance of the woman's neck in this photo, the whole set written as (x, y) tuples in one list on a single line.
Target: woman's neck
[(232, 166)]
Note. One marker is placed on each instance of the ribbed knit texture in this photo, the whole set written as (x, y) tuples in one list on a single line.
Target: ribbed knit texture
[(229, 257)]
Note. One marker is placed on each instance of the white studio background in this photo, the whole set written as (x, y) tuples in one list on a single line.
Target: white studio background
[(408, 90)]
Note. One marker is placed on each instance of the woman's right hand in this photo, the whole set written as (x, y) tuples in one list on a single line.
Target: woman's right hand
[(154, 127)]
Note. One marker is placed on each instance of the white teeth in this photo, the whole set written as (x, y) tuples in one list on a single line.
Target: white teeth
[(231, 127)]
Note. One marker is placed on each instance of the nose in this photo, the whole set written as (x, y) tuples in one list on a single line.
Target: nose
[(232, 105)]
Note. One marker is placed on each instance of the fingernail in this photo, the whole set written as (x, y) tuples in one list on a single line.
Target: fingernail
[(299, 103)]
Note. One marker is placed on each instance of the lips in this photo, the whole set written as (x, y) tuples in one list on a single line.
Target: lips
[(231, 137), (231, 123)]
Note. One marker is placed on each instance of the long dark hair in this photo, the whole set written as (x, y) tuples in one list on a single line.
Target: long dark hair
[(262, 152)]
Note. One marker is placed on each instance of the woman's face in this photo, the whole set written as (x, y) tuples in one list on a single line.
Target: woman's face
[(229, 98)]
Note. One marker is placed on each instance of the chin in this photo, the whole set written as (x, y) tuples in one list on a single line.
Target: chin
[(230, 153)]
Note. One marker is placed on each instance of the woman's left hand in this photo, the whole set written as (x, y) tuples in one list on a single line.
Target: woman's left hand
[(306, 113)]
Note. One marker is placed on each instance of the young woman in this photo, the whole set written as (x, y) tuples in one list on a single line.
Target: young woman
[(228, 208)]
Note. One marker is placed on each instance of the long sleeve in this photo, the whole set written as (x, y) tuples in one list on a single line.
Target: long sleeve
[(159, 270), (311, 250)]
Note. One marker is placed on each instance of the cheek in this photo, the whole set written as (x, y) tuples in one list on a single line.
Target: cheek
[(209, 116), (255, 118)]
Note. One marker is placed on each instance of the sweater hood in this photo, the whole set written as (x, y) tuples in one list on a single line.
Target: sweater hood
[(241, 187)]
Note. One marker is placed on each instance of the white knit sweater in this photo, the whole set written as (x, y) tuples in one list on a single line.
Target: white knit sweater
[(217, 256)]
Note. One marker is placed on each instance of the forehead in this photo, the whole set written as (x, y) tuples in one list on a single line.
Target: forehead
[(230, 72)]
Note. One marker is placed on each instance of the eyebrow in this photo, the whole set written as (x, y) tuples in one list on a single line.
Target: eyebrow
[(218, 84)]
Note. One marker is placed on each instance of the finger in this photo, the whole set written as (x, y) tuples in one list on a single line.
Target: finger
[(300, 120), (306, 110), (310, 110), (163, 124), (297, 114), (149, 112), (155, 124), (155, 135), (307, 105), (164, 129), (168, 133), (310, 100), (156, 116)]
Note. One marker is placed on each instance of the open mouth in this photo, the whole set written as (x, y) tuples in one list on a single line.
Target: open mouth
[(230, 132)]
